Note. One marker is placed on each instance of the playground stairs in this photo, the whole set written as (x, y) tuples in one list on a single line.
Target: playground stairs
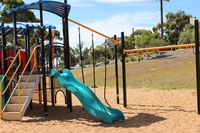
[(13, 110)]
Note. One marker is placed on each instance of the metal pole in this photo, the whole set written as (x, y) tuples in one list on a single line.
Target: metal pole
[(116, 71), (67, 54), (51, 65), (123, 70), (26, 38), (15, 29), (81, 56), (93, 61), (16, 44), (4, 56), (161, 16), (15, 36), (28, 48), (27, 45), (197, 63), (43, 62)]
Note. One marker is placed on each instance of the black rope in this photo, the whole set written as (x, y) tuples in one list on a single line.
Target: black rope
[(81, 56), (105, 83)]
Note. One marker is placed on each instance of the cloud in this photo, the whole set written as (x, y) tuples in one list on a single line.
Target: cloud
[(79, 3), (114, 25)]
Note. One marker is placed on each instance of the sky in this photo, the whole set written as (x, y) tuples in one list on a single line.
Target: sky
[(112, 17)]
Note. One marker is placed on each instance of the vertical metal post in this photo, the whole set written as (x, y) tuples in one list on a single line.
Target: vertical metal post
[(51, 66), (4, 56), (67, 54), (26, 39), (161, 16), (16, 44), (28, 48), (15, 35), (43, 62), (26, 45), (15, 29), (123, 70), (93, 61), (81, 56), (197, 63), (116, 71)]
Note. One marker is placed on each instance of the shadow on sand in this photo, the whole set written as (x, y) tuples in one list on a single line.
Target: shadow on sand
[(80, 116), (158, 109)]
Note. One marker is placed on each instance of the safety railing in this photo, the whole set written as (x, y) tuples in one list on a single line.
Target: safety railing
[(18, 56), (33, 55)]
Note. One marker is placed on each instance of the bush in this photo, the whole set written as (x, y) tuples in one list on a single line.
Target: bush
[(139, 57)]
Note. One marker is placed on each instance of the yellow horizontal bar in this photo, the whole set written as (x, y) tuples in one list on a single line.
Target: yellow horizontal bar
[(158, 48)]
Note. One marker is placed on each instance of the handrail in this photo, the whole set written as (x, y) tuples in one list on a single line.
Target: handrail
[(158, 48), (20, 78), (116, 41), (5, 75)]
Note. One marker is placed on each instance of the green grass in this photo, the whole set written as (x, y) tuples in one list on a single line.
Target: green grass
[(174, 73)]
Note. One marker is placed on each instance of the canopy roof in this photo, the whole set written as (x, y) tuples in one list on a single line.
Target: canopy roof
[(22, 28), (58, 8)]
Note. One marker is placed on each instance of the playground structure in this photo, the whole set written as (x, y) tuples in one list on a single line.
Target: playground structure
[(29, 79), (25, 94)]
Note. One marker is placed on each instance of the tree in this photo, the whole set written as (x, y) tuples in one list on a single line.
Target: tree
[(161, 17), (86, 52), (23, 16), (175, 23), (187, 36), (146, 38)]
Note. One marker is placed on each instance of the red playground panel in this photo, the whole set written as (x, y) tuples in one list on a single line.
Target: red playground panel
[(10, 55)]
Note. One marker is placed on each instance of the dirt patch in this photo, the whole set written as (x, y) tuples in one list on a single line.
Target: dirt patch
[(149, 111)]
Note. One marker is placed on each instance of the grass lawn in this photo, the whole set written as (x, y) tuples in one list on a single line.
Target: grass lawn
[(166, 73)]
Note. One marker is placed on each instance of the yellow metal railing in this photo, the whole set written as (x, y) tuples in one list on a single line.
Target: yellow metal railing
[(18, 56), (33, 54)]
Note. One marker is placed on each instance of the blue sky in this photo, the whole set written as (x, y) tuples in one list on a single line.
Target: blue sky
[(114, 16)]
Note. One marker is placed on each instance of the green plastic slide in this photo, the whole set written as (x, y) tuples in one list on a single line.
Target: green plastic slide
[(87, 97)]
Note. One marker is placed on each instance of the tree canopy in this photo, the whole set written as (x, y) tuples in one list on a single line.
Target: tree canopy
[(175, 24), (23, 16)]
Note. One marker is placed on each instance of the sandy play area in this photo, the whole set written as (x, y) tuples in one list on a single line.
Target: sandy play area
[(149, 111)]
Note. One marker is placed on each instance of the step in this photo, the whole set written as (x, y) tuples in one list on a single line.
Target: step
[(13, 107), (25, 92), (28, 85), (32, 78), (14, 116), (14, 99)]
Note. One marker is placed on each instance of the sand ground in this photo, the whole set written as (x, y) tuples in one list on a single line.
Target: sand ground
[(149, 111)]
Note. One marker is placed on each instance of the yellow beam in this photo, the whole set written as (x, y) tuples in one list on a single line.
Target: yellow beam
[(158, 48)]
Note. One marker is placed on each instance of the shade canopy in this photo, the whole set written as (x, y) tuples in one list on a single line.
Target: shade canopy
[(58, 8), (22, 28)]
